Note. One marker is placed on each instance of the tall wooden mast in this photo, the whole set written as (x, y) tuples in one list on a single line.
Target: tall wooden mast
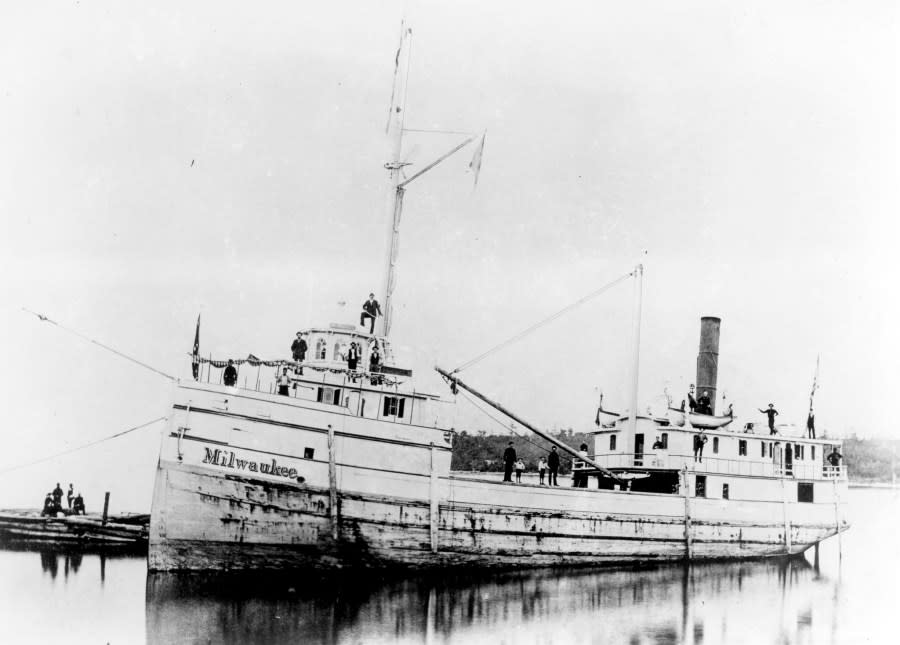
[(394, 131), (396, 182), (635, 367)]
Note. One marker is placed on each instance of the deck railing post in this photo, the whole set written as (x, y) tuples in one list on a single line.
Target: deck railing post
[(434, 507)]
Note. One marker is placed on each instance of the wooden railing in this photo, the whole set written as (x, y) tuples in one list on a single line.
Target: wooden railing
[(717, 465)]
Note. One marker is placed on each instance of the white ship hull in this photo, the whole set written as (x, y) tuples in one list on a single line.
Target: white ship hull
[(384, 496)]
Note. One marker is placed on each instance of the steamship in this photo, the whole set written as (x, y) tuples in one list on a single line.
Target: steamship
[(352, 467)]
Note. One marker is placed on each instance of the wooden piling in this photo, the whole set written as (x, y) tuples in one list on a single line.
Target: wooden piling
[(105, 508), (332, 484)]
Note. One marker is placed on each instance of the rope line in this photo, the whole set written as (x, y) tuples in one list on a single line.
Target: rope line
[(82, 447), (44, 318), (503, 425), (543, 322)]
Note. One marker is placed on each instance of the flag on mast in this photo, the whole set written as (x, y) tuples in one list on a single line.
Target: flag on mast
[(475, 164), (195, 354)]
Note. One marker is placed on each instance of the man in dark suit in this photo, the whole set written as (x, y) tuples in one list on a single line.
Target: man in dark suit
[(230, 376), (509, 459), (553, 467), (370, 309)]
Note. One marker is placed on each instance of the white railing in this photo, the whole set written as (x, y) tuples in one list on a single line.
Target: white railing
[(715, 465)]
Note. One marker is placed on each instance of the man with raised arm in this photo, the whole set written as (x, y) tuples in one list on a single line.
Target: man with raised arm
[(771, 412)]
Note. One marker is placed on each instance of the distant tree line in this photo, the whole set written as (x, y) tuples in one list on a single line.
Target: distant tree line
[(484, 452), (870, 459), (866, 459)]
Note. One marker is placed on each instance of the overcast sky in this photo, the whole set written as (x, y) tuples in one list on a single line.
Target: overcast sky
[(164, 159)]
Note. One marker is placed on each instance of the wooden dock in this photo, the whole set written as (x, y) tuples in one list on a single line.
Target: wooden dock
[(28, 525)]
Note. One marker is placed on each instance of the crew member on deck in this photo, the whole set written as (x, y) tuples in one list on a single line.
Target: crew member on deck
[(509, 459), (699, 441), (553, 467), (298, 350), (542, 469), (78, 505), (704, 406), (658, 444), (230, 375), (375, 364), (370, 310), (70, 495), (284, 383), (811, 425), (352, 356), (771, 412), (834, 458), (691, 400), (579, 479)]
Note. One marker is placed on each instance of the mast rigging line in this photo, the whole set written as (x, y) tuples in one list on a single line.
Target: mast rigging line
[(82, 447), (543, 322), (471, 400), (44, 318)]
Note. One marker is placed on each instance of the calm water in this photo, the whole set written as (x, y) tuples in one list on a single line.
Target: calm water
[(71, 597)]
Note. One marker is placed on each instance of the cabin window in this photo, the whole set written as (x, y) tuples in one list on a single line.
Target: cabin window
[(812, 453), (664, 440), (308, 453), (612, 442), (798, 451), (393, 406), (700, 486), (770, 449), (805, 492), (331, 395), (742, 448), (762, 444), (715, 444), (337, 352), (724, 491), (321, 349)]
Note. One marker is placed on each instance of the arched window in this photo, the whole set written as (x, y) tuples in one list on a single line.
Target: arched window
[(337, 350), (321, 349)]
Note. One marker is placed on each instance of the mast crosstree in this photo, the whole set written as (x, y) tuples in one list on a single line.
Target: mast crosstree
[(396, 183)]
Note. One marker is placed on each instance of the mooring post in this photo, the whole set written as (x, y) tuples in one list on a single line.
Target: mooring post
[(332, 484), (434, 508), (105, 507), (688, 538)]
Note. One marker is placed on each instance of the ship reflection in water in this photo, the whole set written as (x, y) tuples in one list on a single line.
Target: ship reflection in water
[(752, 602)]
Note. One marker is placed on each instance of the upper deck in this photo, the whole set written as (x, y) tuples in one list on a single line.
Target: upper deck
[(656, 446), (324, 377)]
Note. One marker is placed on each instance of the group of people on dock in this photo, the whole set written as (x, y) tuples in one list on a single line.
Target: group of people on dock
[(53, 502)]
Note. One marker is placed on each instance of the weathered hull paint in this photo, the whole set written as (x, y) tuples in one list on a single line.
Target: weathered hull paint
[(256, 482), (232, 523)]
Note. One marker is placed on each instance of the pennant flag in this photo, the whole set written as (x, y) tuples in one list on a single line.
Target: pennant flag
[(475, 164), (253, 360), (195, 355)]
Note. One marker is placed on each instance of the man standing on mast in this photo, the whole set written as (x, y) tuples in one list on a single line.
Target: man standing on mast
[(370, 309)]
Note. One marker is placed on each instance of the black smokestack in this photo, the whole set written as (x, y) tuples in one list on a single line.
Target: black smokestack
[(708, 358)]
